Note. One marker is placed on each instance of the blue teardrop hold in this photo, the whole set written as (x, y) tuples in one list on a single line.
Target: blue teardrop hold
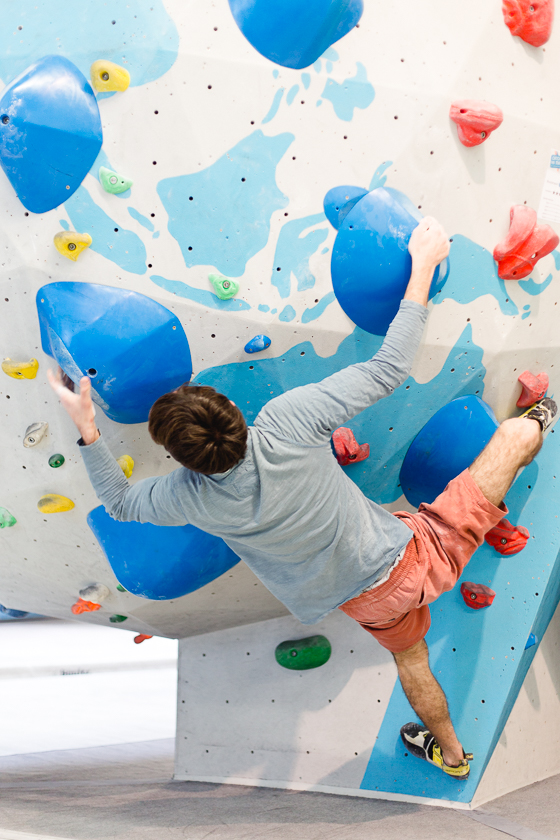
[(258, 343), (50, 132)]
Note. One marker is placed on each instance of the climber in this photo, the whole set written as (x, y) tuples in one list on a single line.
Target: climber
[(276, 495)]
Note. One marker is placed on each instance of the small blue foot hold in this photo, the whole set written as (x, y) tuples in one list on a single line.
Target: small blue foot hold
[(532, 640), (258, 343)]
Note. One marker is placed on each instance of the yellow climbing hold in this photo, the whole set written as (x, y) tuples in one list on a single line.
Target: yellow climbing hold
[(21, 370), (53, 503), (71, 244), (126, 464), (105, 76)]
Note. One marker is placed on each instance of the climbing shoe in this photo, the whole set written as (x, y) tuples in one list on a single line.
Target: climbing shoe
[(543, 411), (420, 742)]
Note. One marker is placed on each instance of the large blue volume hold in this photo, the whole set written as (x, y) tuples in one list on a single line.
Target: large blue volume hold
[(294, 33), (50, 132), (160, 562), (448, 444), (132, 348), (370, 263)]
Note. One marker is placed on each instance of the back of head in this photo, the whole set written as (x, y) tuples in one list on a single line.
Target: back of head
[(200, 428)]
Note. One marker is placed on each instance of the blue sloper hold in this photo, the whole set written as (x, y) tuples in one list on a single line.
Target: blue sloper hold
[(157, 561), (258, 343), (7, 613), (132, 348), (50, 132), (294, 33), (370, 263), (448, 444)]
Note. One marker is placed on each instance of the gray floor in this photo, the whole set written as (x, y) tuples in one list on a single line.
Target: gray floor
[(124, 792)]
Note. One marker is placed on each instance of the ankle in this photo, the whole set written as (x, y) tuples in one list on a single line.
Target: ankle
[(452, 757)]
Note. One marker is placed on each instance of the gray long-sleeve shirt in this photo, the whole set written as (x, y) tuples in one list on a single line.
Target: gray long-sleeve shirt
[(287, 509)]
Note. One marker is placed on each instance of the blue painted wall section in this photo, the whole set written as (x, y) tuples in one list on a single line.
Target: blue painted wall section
[(355, 92), (160, 562), (120, 246), (220, 216), (294, 33), (370, 263), (293, 252), (141, 36), (133, 349), (448, 444), (479, 656), (389, 426), (50, 132)]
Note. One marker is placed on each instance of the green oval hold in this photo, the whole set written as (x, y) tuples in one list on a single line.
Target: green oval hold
[(303, 654), (117, 619), (56, 460)]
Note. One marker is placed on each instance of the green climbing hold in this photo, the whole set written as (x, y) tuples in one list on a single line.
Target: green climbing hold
[(56, 460), (303, 654), (117, 619), (6, 518), (113, 183), (224, 287), (120, 588)]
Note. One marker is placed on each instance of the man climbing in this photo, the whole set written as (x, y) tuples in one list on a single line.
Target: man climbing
[(276, 495)]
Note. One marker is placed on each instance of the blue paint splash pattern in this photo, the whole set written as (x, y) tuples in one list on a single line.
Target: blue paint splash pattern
[(220, 216), (473, 274), (123, 247), (140, 36), (352, 93), (293, 252)]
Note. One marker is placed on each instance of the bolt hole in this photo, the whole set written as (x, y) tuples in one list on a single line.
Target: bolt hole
[(91, 372), (5, 119)]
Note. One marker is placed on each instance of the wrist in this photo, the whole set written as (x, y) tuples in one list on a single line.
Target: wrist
[(89, 434)]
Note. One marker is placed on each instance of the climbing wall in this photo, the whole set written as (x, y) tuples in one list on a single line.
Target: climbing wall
[(240, 173)]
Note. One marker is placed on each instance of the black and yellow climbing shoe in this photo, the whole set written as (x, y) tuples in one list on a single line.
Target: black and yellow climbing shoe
[(420, 742), (543, 411)]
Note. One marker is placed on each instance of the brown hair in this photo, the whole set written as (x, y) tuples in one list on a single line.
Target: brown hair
[(200, 428)]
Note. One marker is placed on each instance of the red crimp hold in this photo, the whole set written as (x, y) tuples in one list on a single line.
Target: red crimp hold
[(507, 538), (476, 595), (526, 243), (476, 120), (530, 19), (82, 606), (141, 638), (534, 388), (347, 448)]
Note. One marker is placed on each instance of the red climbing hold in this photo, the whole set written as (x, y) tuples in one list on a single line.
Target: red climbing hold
[(526, 243), (476, 120), (530, 19), (82, 606), (476, 595), (507, 538), (534, 388), (141, 638), (347, 448)]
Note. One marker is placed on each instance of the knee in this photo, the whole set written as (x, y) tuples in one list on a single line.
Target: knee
[(525, 434)]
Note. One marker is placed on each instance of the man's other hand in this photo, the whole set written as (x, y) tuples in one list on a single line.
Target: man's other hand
[(79, 407)]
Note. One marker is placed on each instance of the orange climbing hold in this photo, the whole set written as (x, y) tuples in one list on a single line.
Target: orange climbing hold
[(475, 119), (141, 638), (534, 387), (507, 538), (82, 606), (530, 19), (526, 243), (476, 595), (346, 447)]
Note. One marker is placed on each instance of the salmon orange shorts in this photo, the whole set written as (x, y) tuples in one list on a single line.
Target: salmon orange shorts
[(445, 536)]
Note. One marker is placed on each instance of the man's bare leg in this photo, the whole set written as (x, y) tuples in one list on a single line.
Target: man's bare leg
[(514, 445), (426, 697)]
